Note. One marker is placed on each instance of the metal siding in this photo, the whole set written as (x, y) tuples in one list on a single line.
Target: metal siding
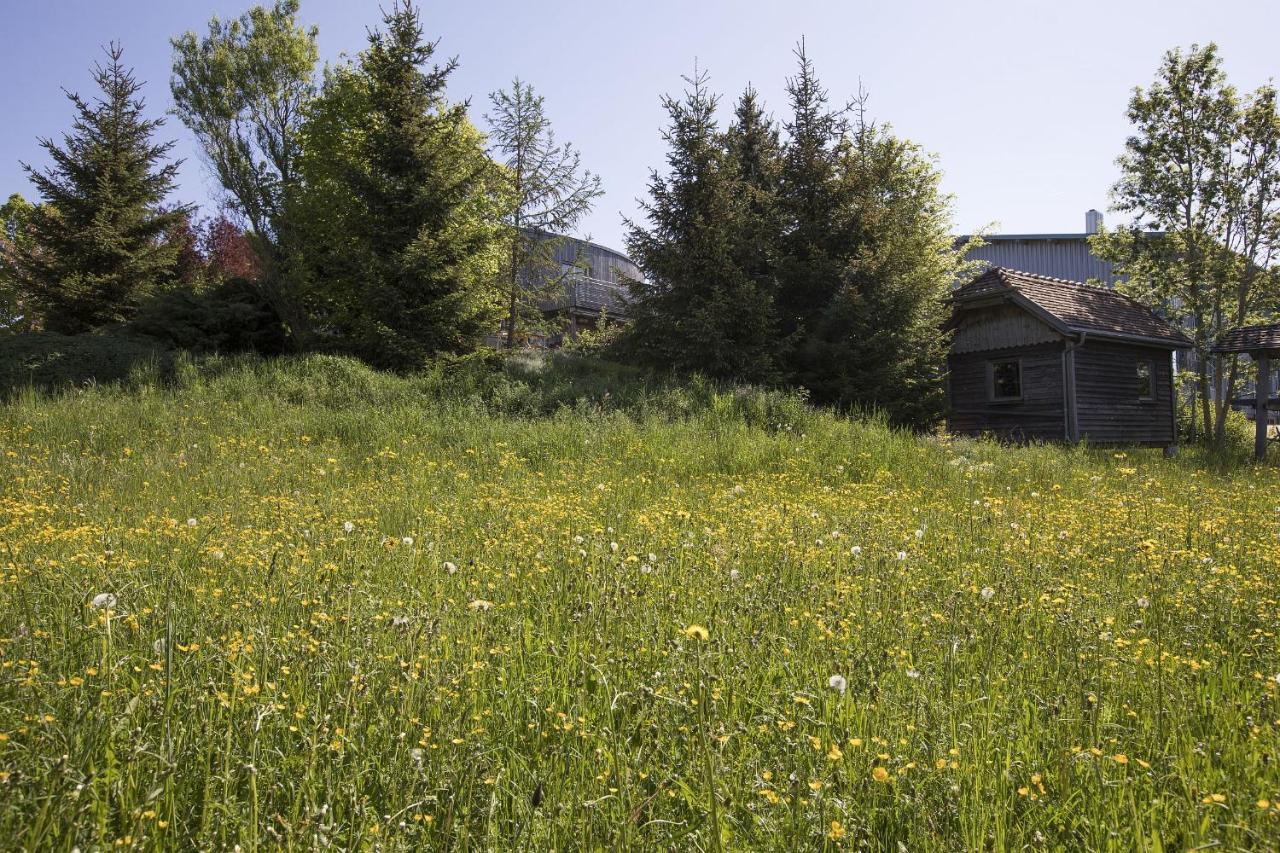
[(1060, 257)]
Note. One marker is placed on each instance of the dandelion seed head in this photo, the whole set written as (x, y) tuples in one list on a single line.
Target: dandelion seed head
[(103, 601), (838, 683)]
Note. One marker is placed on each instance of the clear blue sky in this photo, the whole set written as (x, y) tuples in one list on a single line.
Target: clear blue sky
[(1022, 101)]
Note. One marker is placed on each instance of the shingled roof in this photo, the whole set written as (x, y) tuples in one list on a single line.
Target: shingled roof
[(1250, 339), (1074, 308)]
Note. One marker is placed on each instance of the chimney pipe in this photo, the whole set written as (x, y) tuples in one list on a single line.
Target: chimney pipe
[(1092, 221)]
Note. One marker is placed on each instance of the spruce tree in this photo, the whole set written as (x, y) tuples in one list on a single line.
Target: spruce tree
[(699, 310), (879, 343), (97, 242), (429, 199), (816, 238), (755, 153)]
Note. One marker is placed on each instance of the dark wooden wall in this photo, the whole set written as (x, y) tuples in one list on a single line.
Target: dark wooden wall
[(1108, 410), (1039, 415)]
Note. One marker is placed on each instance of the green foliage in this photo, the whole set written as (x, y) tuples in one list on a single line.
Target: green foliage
[(15, 314), (243, 90), (879, 345), (96, 244), (420, 206), (821, 260), (229, 317), (548, 194), (51, 362), (699, 310), (1202, 169)]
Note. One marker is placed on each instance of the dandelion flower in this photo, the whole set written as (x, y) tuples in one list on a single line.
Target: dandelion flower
[(1120, 758), (880, 774), (837, 831), (103, 601), (697, 632), (838, 683)]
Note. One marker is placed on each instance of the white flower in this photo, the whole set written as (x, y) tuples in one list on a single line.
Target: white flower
[(1143, 602), (451, 568), (406, 540), (191, 522), (902, 555), (856, 551), (913, 673), (987, 593), (348, 526), (838, 683), (103, 601)]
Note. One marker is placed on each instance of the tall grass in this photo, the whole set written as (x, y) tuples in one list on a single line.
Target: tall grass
[(341, 608)]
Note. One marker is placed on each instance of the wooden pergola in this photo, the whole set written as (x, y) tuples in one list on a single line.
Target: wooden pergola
[(1262, 344)]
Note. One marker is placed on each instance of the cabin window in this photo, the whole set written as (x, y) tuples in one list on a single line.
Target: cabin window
[(1004, 380), (1146, 385)]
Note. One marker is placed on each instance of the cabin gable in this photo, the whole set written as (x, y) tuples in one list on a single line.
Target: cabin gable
[(999, 326)]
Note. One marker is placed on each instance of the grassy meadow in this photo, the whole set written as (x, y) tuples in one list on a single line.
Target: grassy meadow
[(555, 605)]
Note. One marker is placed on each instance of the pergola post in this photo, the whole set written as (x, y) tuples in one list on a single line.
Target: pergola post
[(1263, 396)]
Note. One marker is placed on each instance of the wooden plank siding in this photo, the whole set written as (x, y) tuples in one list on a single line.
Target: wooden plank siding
[(1108, 408), (1038, 416), (999, 327)]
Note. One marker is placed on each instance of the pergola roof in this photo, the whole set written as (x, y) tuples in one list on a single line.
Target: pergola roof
[(1251, 339)]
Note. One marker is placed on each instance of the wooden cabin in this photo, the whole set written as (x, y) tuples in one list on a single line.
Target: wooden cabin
[(1035, 358)]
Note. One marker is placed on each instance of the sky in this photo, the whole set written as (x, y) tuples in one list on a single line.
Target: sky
[(1022, 102)]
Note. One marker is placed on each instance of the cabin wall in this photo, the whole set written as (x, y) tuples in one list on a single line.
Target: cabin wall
[(1108, 410), (999, 327), (1039, 415)]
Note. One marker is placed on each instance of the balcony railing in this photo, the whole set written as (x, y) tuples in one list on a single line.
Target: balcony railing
[(589, 296)]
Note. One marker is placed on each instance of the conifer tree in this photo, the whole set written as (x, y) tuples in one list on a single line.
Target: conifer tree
[(699, 310), (755, 153), (96, 244), (815, 238), (879, 343), (430, 201), (549, 192)]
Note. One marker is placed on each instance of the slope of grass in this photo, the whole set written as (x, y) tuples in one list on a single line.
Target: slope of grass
[(560, 605)]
